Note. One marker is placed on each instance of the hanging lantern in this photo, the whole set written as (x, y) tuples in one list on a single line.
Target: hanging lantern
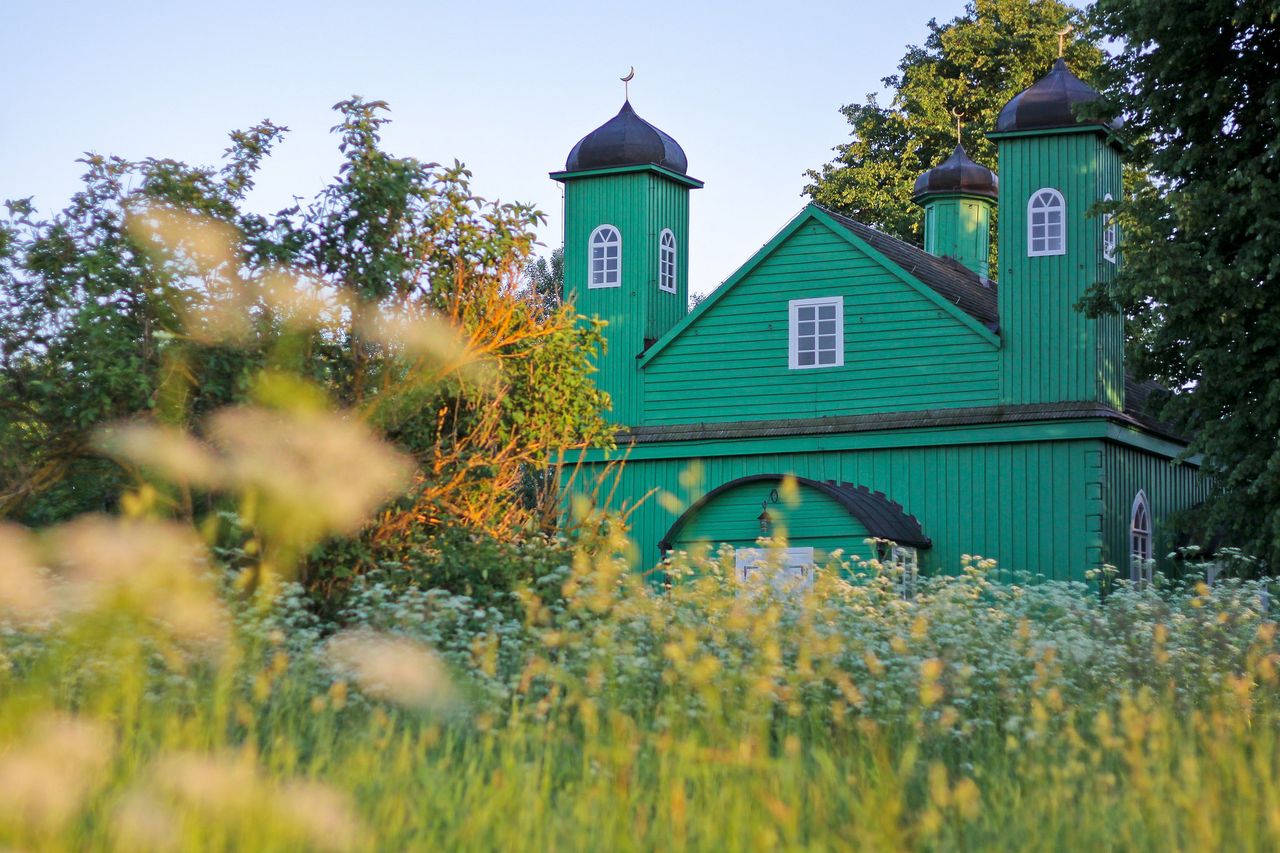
[(766, 520)]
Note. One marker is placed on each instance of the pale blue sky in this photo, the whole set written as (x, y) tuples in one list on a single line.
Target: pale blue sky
[(750, 90)]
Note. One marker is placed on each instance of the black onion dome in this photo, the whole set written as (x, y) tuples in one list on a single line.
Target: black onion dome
[(626, 140), (1049, 103), (957, 174)]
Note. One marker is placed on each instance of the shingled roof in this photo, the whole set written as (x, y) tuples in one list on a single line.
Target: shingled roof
[(1135, 414), (952, 280)]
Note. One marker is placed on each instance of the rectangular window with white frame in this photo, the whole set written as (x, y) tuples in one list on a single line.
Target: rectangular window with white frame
[(816, 332)]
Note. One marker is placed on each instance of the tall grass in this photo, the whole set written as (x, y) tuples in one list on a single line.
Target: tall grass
[(146, 705)]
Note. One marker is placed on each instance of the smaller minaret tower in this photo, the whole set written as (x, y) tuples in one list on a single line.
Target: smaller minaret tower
[(626, 245), (958, 196)]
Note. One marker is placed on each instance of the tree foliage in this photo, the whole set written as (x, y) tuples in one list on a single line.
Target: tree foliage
[(544, 280), (1199, 84), (970, 66), (395, 297)]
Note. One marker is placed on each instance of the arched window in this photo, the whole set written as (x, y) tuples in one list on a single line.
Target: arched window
[(1046, 223), (1140, 563), (1108, 235), (667, 261), (606, 257)]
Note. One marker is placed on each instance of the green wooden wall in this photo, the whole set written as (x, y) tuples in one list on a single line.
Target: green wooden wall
[(958, 226), (902, 351), (1051, 351), (640, 203), (1025, 503), (1056, 508), (1169, 487), (810, 520)]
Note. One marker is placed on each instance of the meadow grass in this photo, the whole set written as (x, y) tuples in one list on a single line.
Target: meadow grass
[(144, 707)]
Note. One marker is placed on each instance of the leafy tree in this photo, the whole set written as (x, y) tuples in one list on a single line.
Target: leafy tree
[(85, 316), (969, 66), (544, 278), (395, 296), (1199, 84)]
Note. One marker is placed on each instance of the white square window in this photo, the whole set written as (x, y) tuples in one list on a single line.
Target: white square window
[(816, 332)]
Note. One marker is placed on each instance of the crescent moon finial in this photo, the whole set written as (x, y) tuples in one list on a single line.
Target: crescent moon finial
[(630, 75), (626, 83), (1062, 38)]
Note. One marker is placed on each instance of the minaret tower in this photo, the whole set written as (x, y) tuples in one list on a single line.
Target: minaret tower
[(626, 244), (957, 196), (1054, 168)]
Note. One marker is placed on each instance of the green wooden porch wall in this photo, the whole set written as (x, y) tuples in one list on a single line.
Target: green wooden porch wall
[(812, 520), (1056, 508), (1026, 504)]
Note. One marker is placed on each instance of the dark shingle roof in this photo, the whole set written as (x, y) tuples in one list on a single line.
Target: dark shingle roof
[(882, 421), (626, 140), (1141, 402), (952, 280), (957, 174), (1050, 103), (883, 518)]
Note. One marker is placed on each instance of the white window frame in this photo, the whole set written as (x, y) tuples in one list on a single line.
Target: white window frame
[(793, 331), (1109, 234), (667, 261), (1056, 202), (1140, 540), (794, 569), (616, 244)]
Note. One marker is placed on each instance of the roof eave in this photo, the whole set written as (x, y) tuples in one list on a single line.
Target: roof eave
[(570, 175), (1112, 136)]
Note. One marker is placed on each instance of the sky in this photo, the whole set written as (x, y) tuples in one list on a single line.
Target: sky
[(751, 91)]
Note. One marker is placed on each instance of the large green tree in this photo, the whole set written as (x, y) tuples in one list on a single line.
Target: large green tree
[(1199, 84), (395, 296), (968, 67)]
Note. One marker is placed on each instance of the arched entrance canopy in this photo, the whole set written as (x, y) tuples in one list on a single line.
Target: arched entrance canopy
[(882, 518)]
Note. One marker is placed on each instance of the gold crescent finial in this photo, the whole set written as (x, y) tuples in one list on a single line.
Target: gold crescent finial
[(1062, 38), (955, 111), (626, 88)]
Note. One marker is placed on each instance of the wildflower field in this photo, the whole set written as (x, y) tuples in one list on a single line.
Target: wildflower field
[(146, 703)]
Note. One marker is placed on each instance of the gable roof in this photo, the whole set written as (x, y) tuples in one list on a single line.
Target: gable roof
[(883, 518), (968, 296), (968, 291)]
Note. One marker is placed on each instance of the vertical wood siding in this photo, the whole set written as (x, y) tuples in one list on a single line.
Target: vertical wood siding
[(1170, 489), (959, 227), (668, 208), (1053, 352), (1026, 504), (639, 204), (901, 351)]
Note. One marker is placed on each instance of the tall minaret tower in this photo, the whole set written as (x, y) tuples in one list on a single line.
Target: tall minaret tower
[(626, 245), (1054, 167)]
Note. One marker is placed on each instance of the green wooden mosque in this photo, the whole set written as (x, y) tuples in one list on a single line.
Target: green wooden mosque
[(843, 385)]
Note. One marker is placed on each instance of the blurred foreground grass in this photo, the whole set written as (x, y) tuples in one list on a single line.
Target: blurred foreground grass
[(144, 704)]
